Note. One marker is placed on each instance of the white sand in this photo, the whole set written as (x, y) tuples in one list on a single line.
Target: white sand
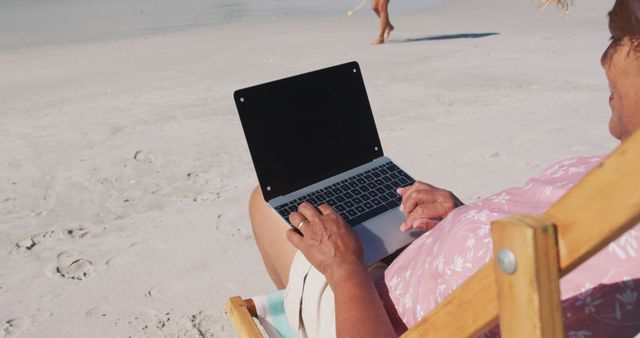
[(124, 171)]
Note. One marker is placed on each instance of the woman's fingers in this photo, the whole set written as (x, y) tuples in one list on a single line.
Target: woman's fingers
[(423, 217), (425, 205), (309, 211), (325, 209), (296, 240), (298, 221), (408, 190), (422, 224), (327, 241), (402, 190), (405, 191), (441, 200), (417, 197)]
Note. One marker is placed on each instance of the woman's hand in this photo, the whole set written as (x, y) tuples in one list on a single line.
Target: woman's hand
[(425, 205), (328, 242)]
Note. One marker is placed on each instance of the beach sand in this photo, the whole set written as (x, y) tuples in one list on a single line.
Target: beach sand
[(125, 175)]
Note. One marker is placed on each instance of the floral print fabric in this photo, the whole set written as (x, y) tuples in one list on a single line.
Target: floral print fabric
[(600, 298)]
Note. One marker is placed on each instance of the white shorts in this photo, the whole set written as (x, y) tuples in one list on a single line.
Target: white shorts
[(308, 299)]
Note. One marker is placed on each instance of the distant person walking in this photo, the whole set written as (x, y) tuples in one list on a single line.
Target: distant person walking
[(381, 9)]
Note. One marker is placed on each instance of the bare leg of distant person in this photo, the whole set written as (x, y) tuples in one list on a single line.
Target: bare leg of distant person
[(381, 8), (269, 233)]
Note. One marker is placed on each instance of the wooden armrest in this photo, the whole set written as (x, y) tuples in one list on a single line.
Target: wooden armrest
[(241, 318)]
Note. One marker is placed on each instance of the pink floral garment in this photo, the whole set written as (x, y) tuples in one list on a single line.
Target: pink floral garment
[(600, 298)]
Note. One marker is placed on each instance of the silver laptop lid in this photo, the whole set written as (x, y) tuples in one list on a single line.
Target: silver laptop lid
[(307, 128)]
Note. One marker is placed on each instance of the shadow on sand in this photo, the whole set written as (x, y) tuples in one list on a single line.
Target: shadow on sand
[(447, 37)]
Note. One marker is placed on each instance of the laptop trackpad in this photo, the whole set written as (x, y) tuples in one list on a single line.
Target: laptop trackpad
[(381, 235)]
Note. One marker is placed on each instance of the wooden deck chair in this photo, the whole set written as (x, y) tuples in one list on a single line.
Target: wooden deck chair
[(520, 286)]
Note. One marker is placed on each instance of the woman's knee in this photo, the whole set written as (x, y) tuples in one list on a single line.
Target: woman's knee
[(256, 201), (375, 6), (257, 209), (263, 220)]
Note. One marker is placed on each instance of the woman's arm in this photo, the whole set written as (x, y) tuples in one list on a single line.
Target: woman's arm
[(359, 311), (333, 248)]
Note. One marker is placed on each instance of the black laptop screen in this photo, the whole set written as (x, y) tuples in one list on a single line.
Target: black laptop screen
[(306, 128)]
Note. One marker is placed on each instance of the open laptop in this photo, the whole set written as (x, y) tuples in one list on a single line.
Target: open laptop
[(312, 138)]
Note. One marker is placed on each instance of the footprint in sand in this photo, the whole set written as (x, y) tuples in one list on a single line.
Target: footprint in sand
[(153, 323), (231, 228), (207, 196), (205, 324), (30, 242), (197, 178), (80, 231), (27, 244), (168, 324), (8, 199), (106, 180), (104, 314), (97, 312), (71, 266), (12, 327), (144, 156)]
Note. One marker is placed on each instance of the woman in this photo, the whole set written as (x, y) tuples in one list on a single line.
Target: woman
[(381, 8), (600, 298)]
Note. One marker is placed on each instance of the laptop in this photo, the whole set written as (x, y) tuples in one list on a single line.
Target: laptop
[(312, 137)]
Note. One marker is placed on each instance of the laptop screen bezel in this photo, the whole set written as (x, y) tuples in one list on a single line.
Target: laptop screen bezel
[(344, 72)]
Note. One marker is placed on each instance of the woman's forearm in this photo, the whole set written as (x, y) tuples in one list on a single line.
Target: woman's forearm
[(359, 311)]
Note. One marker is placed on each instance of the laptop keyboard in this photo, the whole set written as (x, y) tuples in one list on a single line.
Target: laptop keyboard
[(360, 197)]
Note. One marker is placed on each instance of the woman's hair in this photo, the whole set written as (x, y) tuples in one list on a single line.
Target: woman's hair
[(624, 21)]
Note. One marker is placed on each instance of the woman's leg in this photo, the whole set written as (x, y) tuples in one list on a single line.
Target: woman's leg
[(381, 7), (374, 6), (388, 26), (269, 233)]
